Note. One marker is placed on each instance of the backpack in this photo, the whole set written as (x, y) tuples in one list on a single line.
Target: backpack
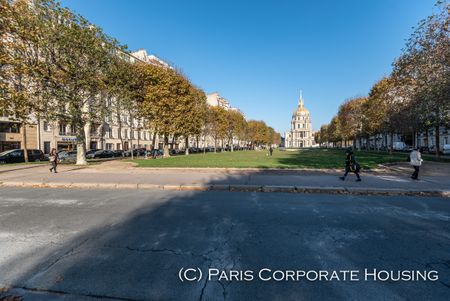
[(354, 166)]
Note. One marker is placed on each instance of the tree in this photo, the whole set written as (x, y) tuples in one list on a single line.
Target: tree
[(321, 136), (193, 117), (217, 124), (77, 55), (350, 117), (235, 125), (170, 103), (423, 71), (258, 133), (334, 131), (22, 32), (125, 86)]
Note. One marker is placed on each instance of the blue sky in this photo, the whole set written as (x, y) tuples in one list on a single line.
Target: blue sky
[(260, 54)]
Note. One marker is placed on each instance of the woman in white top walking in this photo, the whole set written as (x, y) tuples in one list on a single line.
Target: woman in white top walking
[(415, 159), (53, 158)]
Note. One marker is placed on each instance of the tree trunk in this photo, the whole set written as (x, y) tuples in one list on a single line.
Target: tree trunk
[(131, 146), (385, 140), (186, 142), (154, 140), (215, 145), (24, 142), (204, 145), (81, 145), (166, 146), (87, 137), (138, 139), (438, 142), (131, 137), (416, 138), (39, 138), (391, 148)]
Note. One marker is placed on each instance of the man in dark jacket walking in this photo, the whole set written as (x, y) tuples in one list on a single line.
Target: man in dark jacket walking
[(351, 165)]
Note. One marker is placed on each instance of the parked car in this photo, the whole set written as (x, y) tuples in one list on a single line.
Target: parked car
[(399, 146), (155, 153), (68, 156), (136, 152), (17, 156), (118, 153), (90, 152), (193, 150), (101, 154), (424, 149), (446, 149)]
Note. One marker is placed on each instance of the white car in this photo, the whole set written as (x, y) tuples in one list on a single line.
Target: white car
[(446, 149), (399, 146)]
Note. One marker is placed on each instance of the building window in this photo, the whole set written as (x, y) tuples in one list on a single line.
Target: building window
[(110, 132), (46, 127), (93, 130), (9, 127), (62, 129)]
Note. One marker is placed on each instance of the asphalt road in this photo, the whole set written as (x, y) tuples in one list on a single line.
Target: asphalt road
[(131, 244)]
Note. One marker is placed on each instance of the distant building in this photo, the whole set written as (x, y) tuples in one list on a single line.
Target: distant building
[(215, 100), (142, 55), (301, 133)]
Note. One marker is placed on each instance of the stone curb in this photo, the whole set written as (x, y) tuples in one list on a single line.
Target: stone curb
[(232, 188), (22, 168)]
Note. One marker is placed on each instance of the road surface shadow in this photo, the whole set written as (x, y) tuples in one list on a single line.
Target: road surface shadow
[(132, 244)]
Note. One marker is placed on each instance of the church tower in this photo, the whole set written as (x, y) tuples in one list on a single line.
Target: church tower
[(301, 134)]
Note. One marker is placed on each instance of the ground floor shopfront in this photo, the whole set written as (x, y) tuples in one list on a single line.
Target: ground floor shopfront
[(12, 136)]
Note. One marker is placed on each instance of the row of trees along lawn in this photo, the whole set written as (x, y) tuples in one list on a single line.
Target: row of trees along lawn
[(57, 66), (414, 98)]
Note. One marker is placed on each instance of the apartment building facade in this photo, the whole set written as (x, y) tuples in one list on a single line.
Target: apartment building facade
[(12, 136)]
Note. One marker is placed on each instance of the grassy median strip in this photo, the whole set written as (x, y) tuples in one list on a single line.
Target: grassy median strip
[(308, 158)]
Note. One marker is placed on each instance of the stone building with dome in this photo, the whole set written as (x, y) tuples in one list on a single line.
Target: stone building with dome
[(301, 134)]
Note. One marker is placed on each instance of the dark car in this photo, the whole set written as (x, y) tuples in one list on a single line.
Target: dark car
[(193, 150), (91, 152), (118, 153), (102, 154), (17, 156), (155, 153), (136, 152)]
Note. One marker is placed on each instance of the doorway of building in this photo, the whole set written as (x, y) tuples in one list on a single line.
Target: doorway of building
[(46, 147)]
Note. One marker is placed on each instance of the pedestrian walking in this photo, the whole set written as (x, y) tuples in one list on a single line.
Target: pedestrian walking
[(415, 159), (54, 159), (270, 150), (351, 165)]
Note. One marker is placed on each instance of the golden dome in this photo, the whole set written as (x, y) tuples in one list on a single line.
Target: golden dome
[(301, 108)]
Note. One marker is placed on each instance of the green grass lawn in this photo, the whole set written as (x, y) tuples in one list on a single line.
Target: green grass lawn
[(308, 158)]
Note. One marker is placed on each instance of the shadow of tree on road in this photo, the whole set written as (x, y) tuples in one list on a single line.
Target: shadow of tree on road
[(136, 251)]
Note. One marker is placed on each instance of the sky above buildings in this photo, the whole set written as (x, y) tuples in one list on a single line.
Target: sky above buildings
[(260, 54)]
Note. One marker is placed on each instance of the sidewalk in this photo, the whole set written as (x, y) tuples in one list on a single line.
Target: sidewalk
[(122, 175)]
